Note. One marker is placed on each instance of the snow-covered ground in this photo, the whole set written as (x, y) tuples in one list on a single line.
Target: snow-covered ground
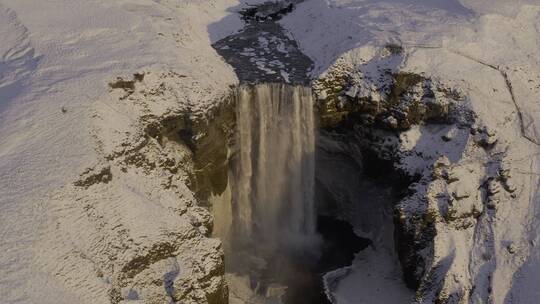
[(58, 117), (485, 49), (56, 59)]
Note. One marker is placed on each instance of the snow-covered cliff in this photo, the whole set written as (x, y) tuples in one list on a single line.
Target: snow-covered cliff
[(457, 85), (95, 206)]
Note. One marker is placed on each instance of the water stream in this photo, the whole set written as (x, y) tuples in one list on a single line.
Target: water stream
[(277, 245), (275, 169), (276, 250)]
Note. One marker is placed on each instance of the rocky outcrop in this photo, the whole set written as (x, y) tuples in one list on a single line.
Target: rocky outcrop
[(375, 92), (268, 11), (455, 168), (90, 176), (208, 139), (134, 227)]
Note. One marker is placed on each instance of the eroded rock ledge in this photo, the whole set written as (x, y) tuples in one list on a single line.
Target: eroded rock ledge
[(376, 92), (423, 133), (134, 228)]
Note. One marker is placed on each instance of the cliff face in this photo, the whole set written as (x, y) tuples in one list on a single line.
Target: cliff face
[(135, 227), (453, 230), (102, 193), (376, 92)]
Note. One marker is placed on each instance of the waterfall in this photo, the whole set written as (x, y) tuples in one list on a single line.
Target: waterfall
[(273, 187)]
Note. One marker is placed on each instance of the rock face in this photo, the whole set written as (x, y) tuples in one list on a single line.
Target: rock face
[(263, 51), (207, 137), (377, 93), (142, 233), (455, 165)]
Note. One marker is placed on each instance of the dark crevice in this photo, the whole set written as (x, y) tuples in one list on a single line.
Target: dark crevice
[(510, 89)]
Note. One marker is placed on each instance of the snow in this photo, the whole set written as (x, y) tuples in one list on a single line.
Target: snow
[(374, 270), (62, 54), (327, 29)]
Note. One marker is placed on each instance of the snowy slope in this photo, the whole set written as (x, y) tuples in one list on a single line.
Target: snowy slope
[(56, 58), (485, 49)]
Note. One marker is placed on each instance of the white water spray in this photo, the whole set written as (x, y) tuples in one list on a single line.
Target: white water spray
[(273, 191)]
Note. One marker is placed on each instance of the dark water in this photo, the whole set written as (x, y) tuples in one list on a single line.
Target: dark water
[(263, 51)]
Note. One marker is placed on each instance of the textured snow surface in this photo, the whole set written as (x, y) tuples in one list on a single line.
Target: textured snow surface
[(58, 117), (487, 51), (56, 58)]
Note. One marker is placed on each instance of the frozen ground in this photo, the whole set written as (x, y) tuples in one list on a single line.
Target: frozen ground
[(57, 117), (486, 49), (56, 57)]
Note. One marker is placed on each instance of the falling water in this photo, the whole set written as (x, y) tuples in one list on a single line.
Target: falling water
[(273, 188), (276, 251)]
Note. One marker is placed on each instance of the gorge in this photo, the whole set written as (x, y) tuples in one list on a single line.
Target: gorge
[(297, 196), (275, 239)]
